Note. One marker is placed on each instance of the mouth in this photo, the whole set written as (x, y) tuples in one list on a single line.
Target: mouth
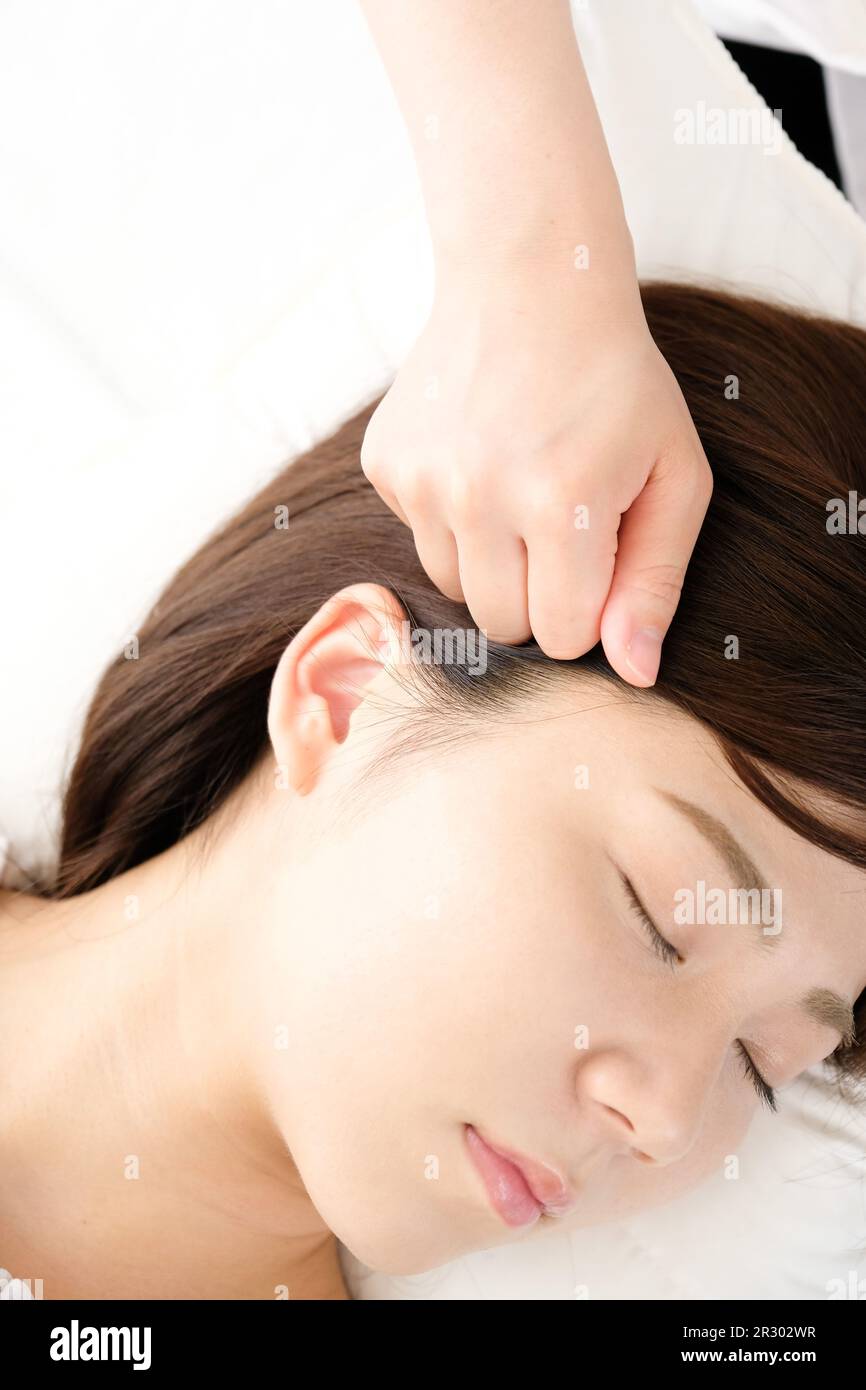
[(520, 1189)]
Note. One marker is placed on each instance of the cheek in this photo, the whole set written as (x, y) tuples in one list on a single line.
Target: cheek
[(717, 1150), (408, 1026), (626, 1189), (716, 1154)]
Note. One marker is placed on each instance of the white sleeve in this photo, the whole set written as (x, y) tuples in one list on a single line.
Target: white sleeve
[(833, 33), (846, 101)]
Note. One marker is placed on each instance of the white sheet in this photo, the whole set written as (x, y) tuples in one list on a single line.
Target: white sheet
[(212, 248)]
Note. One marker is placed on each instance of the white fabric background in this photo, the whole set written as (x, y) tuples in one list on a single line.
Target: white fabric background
[(212, 248), (833, 32)]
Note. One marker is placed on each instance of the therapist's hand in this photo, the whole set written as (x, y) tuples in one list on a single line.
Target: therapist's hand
[(540, 449)]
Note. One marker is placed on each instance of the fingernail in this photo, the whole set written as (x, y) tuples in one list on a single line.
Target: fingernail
[(644, 653)]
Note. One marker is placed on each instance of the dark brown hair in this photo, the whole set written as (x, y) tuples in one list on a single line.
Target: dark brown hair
[(779, 400)]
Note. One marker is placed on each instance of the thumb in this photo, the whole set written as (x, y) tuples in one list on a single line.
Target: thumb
[(656, 538)]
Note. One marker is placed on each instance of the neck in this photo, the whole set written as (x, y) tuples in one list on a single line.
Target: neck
[(139, 1155)]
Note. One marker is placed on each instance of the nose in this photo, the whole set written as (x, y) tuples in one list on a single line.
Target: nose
[(620, 1123), (654, 1114)]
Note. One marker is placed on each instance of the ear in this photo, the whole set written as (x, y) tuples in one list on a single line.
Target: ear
[(323, 675)]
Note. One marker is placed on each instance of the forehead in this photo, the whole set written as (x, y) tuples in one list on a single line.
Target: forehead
[(631, 755)]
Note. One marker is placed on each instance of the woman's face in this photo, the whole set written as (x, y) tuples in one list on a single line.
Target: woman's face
[(464, 951)]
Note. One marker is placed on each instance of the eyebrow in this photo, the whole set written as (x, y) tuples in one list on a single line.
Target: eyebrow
[(823, 1006)]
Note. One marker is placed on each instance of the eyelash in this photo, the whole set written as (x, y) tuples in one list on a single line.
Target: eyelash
[(671, 956)]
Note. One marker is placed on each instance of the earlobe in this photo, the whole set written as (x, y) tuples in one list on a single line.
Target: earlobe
[(323, 678)]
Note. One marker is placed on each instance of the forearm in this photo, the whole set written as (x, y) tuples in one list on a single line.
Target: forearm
[(508, 143)]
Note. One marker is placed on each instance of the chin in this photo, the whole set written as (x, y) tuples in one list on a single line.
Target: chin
[(419, 1244), (399, 1257)]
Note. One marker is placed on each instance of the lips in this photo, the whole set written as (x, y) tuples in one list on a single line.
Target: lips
[(520, 1189)]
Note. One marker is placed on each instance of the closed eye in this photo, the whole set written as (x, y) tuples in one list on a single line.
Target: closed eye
[(660, 944), (671, 956), (766, 1093)]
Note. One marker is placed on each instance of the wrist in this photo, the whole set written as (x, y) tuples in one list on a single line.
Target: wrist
[(546, 250)]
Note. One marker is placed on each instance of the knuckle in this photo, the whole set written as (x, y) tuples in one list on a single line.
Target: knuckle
[(698, 473), (469, 495), (413, 489), (706, 482), (695, 476), (662, 582), (549, 502), (372, 463)]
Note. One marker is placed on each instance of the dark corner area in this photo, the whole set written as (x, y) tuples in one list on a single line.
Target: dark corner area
[(794, 85)]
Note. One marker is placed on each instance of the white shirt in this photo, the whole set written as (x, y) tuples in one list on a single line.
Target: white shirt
[(834, 34)]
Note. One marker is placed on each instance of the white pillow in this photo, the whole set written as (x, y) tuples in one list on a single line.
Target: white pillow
[(213, 248)]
